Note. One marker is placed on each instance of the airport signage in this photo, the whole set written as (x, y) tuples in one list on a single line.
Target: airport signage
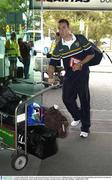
[(72, 4)]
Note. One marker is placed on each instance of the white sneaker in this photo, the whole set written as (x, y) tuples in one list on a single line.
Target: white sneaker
[(84, 134), (75, 123)]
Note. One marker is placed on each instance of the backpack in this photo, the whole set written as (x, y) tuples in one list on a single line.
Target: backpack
[(97, 53), (54, 119)]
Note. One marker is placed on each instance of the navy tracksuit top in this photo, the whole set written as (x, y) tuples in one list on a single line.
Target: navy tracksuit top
[(77, 50)]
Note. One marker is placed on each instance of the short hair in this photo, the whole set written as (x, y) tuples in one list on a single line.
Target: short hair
[(13, 34), (64, 21), (57, 34), (20, 40)]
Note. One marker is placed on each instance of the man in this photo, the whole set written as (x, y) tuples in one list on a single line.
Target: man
[(75, 58), (12, 51), (25, 54)]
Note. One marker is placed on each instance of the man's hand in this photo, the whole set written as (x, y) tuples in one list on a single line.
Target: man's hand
[(51, 81), (20, 59), (78, 67), (51, 70)]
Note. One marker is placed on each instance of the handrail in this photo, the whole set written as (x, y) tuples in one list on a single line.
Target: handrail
[(36, 95), (29, 99)]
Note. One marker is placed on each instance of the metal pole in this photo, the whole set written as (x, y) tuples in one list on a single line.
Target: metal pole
[(42, 38), (26, 127), (33, 23), (15, 16), (27, 13)]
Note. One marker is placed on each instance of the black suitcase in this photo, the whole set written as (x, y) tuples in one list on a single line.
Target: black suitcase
[(8, 103), (41, 141), (20, 72)]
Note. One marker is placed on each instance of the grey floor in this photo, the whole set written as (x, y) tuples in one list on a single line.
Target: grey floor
[(76, 156)]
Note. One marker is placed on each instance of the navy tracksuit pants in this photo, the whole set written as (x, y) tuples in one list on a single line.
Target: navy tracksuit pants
[(72, 88), (26, 66)]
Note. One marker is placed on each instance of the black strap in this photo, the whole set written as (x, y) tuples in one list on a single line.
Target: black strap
[(108, 56), (77, 37), (102, 52)]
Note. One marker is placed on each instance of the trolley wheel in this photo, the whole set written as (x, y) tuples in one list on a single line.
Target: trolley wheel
[(19, 161)]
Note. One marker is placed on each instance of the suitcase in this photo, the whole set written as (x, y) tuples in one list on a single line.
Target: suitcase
[(8, 103), (41, 141), (20, 72)]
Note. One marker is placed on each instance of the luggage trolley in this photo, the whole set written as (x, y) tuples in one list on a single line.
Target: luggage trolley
[(9, 137)]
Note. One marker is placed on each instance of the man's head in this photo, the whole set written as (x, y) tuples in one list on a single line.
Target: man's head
[(20, 41), (63, 26), (13, 35)]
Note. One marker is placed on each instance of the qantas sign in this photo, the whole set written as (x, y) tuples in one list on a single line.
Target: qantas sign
[(72, 4)]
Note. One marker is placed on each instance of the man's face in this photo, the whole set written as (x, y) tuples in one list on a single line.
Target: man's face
[(63, 29)]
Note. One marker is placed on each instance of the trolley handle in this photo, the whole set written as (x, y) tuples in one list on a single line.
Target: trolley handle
[(37, 94), (32, 97)]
